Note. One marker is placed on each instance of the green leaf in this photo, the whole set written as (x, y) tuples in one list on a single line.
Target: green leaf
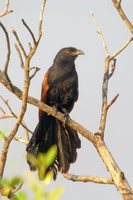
[(55, 194), (21, 195), (51, 155), (15, 181), (2, 135)]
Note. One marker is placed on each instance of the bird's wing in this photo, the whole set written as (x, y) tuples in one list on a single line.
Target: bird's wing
[(45, 87)]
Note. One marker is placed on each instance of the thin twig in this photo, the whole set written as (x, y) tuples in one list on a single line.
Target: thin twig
[(122, 48), (99, 31), (41, 20), (20, 56), (36, 69), (19, 139), (8, 49), (2, 110), (19, 43), (122, 14), (30, 31), (6, 9), (112, 101)]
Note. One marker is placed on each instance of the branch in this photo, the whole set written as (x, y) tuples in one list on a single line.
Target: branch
[(19, 43), (36, 69), (30, 31), (8, 48), (119, 9), (94, 179), (99, 31), (6, 9), (19, 119), (122, 48), (15, 90), (24, 94), (20, 56)]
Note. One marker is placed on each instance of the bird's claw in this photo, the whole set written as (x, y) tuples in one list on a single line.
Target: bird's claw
[(66, 116)]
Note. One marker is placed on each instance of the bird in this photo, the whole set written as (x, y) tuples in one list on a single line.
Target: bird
[(60, 91)]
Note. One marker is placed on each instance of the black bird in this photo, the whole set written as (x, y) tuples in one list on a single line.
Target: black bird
[(60, 90)]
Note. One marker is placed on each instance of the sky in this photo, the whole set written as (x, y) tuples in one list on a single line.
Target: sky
[(68, 23)]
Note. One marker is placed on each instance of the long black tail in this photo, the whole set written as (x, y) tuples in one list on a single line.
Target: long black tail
[(48, 132)]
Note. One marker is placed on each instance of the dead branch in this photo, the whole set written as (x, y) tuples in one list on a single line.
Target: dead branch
[(13, 115), (8, 49), (19, 43), (6, 9), (122, 48), (15, 90), (117, 176), (30, 31), (24, 94), (99, 31), (94, 179), (117, 4), (20, 56)]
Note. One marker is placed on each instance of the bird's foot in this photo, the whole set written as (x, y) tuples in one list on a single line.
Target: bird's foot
[(54, 108), (66, 116)]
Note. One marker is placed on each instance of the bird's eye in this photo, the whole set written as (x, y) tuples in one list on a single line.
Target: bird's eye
[(67, 51)]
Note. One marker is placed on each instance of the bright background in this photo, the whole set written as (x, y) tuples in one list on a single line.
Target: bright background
[(68, 23)]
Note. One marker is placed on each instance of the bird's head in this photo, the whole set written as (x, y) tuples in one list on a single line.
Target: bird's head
[(68, 54)]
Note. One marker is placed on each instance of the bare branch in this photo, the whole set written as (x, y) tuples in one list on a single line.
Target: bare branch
[(19, 43), (118, 7), (20, 56), (94, 179), (30, 31), (6, 9), (15, 90), (2, 110), (8, 140), (99, 31), (19, 139), (36, 69), (122, 48), (13, 115), (8, 49), (112, 101), (41, 20), (24, 94), (113, 67)]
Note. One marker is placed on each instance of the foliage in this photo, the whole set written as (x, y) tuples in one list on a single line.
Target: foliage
[(9, 187)]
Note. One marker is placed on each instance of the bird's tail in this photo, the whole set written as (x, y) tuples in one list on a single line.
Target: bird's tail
[(68, 142), (44, 136), (48, 132)]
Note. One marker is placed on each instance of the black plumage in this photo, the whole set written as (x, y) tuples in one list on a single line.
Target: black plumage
[(60, 90)]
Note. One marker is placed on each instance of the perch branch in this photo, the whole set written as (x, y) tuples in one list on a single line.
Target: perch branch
[(94, 179), (15, 90)]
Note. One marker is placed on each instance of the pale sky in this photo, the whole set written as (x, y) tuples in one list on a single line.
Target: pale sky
[(68, 23)]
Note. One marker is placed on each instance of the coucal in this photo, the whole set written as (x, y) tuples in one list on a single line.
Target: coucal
[(59, 90)]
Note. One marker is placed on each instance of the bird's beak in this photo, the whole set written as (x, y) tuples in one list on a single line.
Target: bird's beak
[(79, 52)]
